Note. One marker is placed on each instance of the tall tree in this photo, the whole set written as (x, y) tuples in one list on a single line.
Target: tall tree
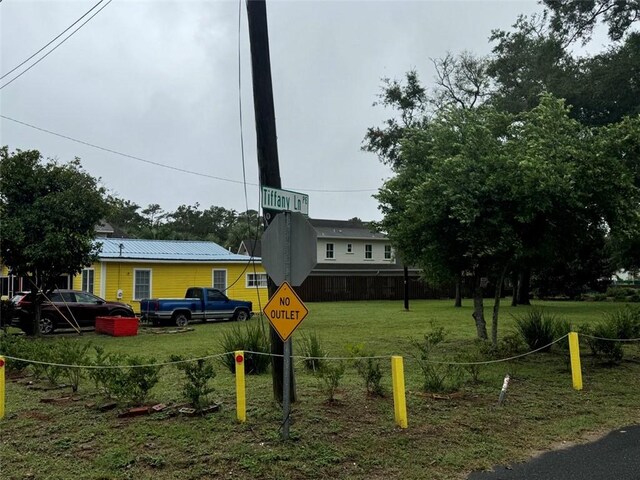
[(478, 188), (49, 214), (575, 19)]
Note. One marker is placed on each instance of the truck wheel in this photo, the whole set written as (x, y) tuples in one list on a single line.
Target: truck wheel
[(181, 320), (241, 316)]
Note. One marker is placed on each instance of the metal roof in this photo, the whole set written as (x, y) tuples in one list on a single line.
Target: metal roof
[(345, 229), (177, 250)]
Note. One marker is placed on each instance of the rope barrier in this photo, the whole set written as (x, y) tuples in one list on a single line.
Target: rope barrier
[(302, 358), (62, 365), (487, 362), (611, 339)]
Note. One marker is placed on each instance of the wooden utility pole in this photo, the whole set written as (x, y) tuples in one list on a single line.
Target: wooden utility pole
[(267, 151)]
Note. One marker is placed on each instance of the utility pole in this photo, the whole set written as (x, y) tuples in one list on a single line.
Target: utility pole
[(267, 153)]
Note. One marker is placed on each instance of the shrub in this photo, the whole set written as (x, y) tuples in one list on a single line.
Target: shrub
[(106, 379), (48, 353), (438, 377), (248, 337), (72, 353), (136, 381), (368, 368), (620, 293), (198, 374), (625, 321), (7, 310), (17, 347), (330, 375), (472, 357), (312, 348), (538, 328), (597, 338)]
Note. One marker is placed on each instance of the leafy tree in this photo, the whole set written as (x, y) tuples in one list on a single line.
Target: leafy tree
[(577, 18), (526, 62), (49, 213), (245, 225), (410, 101), (124, 216), (478, 189)]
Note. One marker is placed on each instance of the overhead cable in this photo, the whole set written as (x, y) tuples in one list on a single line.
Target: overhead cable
[(54, 39), (56, 47), (170, 167)]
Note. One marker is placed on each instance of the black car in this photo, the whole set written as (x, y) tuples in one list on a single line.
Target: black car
[(62, 308)]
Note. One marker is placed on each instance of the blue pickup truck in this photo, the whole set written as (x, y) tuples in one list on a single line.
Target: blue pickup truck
[(200, 303)]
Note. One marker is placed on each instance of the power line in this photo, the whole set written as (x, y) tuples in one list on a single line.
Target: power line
[(170, 167), (56, 47), (57, 37)]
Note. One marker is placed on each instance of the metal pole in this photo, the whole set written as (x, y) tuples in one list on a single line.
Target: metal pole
[(286, 364)]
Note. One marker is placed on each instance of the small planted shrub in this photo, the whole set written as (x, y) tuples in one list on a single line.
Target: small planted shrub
[(136, 381), (198, 374), (625, 321), (439, 376), (473, 358), (368, 368), (311, 347), (537, 328), (73, 353), (330, 376), (601, 341), (107, 379), (49, 354), (249, 337), (7, 310), (17, 347)]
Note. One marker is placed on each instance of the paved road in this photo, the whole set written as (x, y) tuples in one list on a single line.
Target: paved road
[(615, 457)]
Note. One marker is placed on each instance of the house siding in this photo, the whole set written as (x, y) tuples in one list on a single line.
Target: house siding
[(357, 255), (171, 280)]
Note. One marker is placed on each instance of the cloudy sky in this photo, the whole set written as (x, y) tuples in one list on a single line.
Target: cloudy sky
[(158, 80)]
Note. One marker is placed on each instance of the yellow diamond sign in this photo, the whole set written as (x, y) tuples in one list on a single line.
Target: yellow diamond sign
[(285, 311)]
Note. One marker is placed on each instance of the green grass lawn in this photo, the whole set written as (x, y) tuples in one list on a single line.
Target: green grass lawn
[(354, 437)]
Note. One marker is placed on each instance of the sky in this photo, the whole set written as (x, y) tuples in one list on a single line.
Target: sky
[(165, 81)]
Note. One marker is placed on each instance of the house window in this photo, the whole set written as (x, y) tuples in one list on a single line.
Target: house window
[(257, 280), (349, 247), (387, 252), (329, 251), (368, 251), (88, 274), (141, 284), (219, 279)]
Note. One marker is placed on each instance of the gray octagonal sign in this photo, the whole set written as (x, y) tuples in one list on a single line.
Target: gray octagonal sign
[(289, 248)]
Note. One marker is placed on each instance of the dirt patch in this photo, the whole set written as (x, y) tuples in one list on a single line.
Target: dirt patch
[(35, 415)]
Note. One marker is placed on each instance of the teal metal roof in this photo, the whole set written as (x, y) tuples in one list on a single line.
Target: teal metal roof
[(170, 250)]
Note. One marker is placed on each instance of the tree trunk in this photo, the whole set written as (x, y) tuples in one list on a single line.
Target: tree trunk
[(478, 309), (514, 287), (458, 291), (524, 286), (496, 308)]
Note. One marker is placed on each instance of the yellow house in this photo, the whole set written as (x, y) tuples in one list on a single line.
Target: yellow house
[(129, 270)]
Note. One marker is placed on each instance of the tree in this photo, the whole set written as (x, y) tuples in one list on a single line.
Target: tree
[(478, 189), (246, 225), (124, 217), (576, 18), (49, 213)]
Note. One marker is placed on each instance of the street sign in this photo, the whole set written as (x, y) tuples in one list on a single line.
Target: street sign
[(289, 248), (285, 200), (285, 311)]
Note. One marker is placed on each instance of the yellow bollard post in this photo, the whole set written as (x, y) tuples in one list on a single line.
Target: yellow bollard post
[(2, 388), (399, 399), (241, 399), (574, 352)]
